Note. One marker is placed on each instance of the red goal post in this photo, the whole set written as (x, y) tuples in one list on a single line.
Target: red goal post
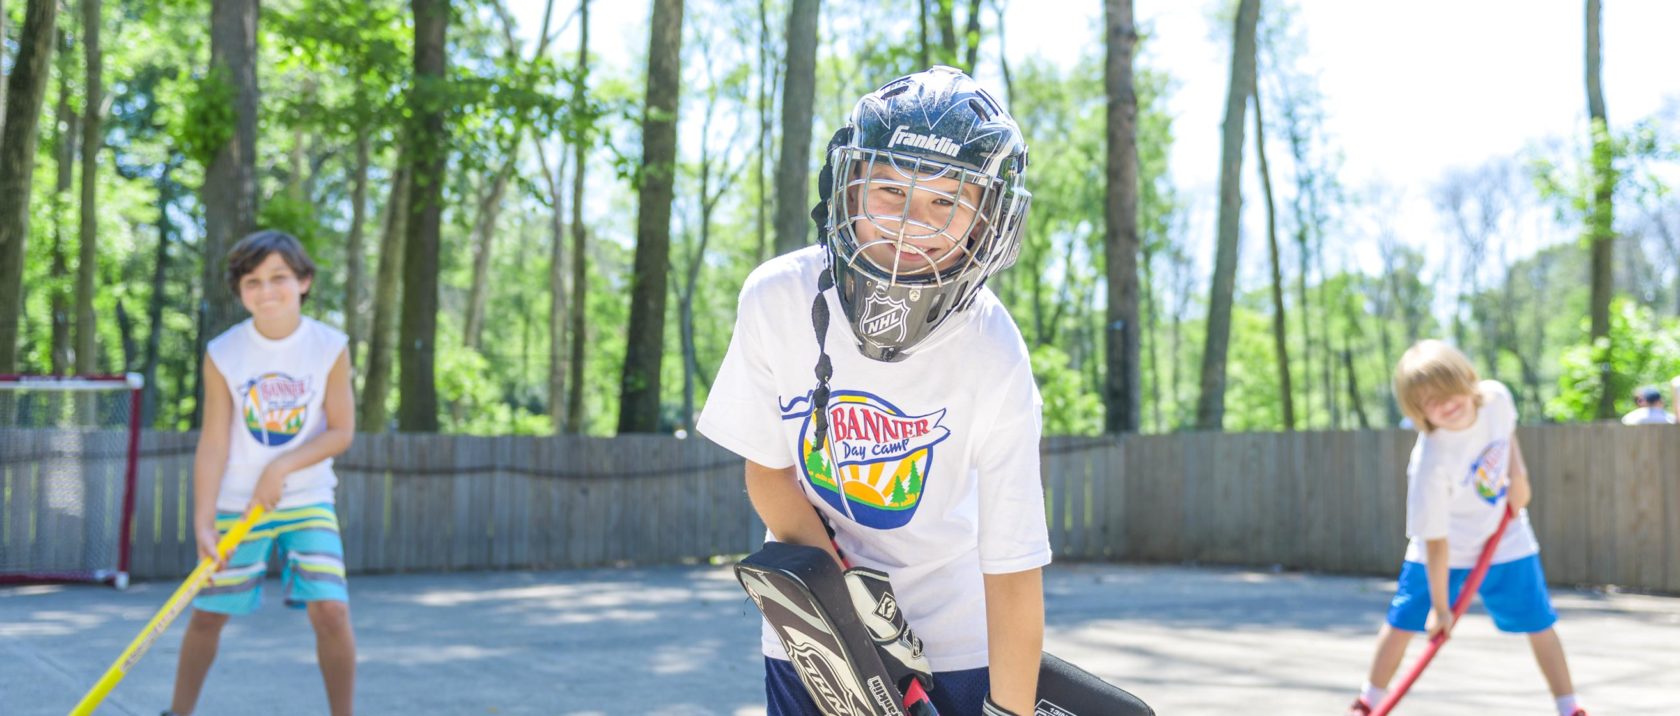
[(69, 453)]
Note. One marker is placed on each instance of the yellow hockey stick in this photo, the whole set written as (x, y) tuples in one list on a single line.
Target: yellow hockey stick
[(177, 603)]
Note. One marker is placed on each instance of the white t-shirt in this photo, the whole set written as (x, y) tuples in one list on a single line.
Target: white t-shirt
[(1456, 486), (278, 388), (1648, 416), (938, 453)]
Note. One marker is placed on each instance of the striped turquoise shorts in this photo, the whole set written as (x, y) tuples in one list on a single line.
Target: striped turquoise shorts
[(306, 537)]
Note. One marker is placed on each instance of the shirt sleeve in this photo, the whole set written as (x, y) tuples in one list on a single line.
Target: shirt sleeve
[(1013, 533), (1500, 399), (1428, 494), (742, 413)]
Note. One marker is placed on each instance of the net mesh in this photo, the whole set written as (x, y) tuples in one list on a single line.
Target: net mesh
[(64, 454)]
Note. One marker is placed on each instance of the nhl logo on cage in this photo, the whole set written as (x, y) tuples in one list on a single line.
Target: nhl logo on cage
[(882, 314)]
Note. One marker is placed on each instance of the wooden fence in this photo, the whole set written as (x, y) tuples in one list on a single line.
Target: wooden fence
[(1606, 507)]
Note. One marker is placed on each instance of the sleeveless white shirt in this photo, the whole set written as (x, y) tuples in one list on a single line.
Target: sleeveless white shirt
[(278, 388)]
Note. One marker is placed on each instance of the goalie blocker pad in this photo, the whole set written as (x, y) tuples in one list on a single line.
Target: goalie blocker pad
[(1067, 690), (803, 596), (835, 657)]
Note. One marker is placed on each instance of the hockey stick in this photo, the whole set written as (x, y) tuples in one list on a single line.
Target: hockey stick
[(916, 701), (1465, 594), (177, 603)]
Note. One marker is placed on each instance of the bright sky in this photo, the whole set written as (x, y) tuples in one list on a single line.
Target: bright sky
[(1411, 89)]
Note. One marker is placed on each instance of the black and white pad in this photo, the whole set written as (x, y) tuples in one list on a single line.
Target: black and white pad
[(803, 596), (1067, 690)]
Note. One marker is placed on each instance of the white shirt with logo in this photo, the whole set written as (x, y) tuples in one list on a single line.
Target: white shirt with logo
[(278, 388), (1456, 485), (932, 471)]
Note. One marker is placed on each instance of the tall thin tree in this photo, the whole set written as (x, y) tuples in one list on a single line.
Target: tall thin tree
[(427, 149), (580, 257), (353, 250), (67, 128), (555, 178), (799, 89), (1601, 217), (229, 193), (93, 139), (1210, 407), (387, 293), (1122, 389), (26, 88), (638, 408), (1280, 334), (767, 77)]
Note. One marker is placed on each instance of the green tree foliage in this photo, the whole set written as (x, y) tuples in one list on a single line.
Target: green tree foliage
[(1642, 349), (332, 69)]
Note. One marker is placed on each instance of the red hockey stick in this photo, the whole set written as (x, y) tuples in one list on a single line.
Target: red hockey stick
[(1465, 594)]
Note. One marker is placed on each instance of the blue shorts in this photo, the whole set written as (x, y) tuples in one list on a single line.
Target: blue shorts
[(955, 693), (306, 537), (1514, 593)]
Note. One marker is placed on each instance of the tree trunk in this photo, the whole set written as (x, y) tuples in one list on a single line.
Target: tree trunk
[(1328, 365), (945, 17), (799, 87), (1280, 337), (230, 181), (639, 389), (427, 147), (25, 90), (580, 258), (1601, 214), (93, 139), (1003, 55), (489, 210), (3, 73), (1353, 387), (971, 37), (555, 178), (1303, 255), (923, 58), (125, 329), (353, 251), (1122, 398), (154, 306), (387, 291), (1152, 324), (67, 126), (765, 92), (1210, 408)]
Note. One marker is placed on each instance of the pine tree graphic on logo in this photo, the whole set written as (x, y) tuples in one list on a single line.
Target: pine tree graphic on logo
[(897, 497), (817, 467)]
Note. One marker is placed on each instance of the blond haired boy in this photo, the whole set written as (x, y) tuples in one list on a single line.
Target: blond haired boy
[(1465, 469)]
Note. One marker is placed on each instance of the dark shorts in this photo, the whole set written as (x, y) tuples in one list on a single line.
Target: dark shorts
[(955, 693), (1514, 593)]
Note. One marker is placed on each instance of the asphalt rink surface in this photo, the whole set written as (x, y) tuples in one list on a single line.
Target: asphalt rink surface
[(684, 640)]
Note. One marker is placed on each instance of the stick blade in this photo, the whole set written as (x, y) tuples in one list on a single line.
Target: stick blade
[(803, 596), (1067, 690)]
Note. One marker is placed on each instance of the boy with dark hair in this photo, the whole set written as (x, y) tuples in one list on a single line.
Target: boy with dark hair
[(278, 407)]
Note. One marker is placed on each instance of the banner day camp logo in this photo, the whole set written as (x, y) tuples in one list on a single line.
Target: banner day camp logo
[(1489, 473), (877, 459), (276, 406)]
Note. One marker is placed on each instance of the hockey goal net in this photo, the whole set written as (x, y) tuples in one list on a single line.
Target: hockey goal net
[(68, 452)]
